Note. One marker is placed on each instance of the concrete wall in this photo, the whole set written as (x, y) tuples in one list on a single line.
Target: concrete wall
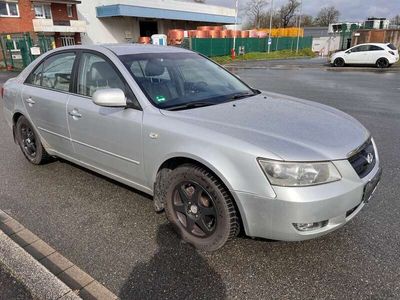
[(126, 29), (324, 45)]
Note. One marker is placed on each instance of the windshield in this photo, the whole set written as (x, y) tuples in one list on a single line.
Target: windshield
[(391, 46), (183, 80)]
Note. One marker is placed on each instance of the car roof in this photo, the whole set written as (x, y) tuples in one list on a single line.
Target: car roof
[(376, 44), (124, 49)]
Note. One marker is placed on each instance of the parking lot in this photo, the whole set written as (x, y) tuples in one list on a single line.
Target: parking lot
[(112, 232)]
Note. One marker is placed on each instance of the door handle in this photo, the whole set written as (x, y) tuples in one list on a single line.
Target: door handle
[(75, 114), (30, 101)]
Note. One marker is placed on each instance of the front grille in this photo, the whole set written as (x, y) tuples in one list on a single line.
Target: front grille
[(363, 161)]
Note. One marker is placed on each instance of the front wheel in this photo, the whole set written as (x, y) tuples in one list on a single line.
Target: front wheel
[(339, 62), (29, 142), (382, 63), (200, 208)]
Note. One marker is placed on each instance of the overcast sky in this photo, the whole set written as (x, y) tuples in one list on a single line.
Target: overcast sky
[(350, 10)]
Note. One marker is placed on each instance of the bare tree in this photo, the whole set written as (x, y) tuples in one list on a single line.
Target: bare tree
[(287, 12), (395, 20), (255, 11), (307, 20), (327, 15)]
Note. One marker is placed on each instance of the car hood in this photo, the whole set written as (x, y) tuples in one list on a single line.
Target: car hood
[(291, 128)]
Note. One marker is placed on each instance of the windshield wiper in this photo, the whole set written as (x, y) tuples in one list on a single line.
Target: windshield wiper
[(190, 105), (243, 95)]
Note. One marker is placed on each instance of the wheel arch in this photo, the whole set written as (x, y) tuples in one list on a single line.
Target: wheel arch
[(178, 160), (385, 58), (15, 118)]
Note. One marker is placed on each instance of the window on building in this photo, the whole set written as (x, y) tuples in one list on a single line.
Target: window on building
[(42, 11), (67, 41), (9, 9), (69, 10)]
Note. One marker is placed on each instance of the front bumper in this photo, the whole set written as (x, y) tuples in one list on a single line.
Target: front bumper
[(336, 203)]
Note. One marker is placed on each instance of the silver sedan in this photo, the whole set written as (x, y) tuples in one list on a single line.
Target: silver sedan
[(217, 155)]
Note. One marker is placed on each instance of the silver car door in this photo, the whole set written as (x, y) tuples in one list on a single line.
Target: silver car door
[(45, 95), (109, 138)]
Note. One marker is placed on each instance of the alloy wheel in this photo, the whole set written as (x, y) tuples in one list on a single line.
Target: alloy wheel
[(28, 141), (195, 209)]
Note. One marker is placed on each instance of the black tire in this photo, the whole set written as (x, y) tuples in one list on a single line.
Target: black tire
[(200, 208), (382, 63), (29, 142), (339, 62)]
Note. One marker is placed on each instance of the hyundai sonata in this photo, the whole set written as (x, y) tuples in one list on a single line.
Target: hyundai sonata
[(217, 155)]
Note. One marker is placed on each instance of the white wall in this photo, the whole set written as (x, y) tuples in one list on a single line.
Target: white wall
[(324, 45), (126, 29)]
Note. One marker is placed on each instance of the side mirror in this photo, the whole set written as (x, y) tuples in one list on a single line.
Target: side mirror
[(109, 98), (348, 51)]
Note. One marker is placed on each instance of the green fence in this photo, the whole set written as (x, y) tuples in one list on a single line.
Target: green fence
[(15, 51), (220, 47)]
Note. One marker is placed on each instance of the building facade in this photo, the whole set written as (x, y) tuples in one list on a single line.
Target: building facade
[(124, 21), (42, 24)]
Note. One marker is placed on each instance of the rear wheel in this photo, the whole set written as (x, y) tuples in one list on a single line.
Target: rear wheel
[(29, 142), (382, 63), (339, 62), (200, 208)]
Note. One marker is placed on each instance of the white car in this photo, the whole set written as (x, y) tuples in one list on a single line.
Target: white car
[(383, 55)]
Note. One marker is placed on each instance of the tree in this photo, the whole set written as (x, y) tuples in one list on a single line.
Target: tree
[(287, 13), (255, 11), (395, 20), (307, 20), (327, 15)]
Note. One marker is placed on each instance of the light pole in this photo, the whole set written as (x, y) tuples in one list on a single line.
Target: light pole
[(298, 30), (270, 26), (233, 54)]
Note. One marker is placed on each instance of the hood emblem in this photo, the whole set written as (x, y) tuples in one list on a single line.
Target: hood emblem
[(369, 158)]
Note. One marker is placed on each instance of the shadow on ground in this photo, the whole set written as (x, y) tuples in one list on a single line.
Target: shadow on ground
[(176, 271)]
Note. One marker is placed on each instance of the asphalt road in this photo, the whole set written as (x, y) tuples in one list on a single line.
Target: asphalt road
[(111, 231), (11, 288)]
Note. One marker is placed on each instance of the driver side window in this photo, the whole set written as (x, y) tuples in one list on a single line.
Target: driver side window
[(96, 73)]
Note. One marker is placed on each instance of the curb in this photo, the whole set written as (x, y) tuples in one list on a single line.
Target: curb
[(44, 271)]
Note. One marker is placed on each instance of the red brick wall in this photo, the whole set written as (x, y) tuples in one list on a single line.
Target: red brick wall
[(59, 12), (21, 24)]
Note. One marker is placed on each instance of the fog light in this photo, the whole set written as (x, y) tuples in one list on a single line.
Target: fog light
[(310, 226)]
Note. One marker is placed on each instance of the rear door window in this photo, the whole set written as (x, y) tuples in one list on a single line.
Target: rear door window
[(375, 48), (54, 73)]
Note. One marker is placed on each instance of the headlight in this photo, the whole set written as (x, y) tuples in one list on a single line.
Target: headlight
[(299, 173)]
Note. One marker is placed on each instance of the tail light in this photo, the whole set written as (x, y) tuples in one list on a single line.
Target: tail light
[(391, 52)]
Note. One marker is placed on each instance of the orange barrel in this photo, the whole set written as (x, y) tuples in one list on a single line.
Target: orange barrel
[(244, 34), (218, 28), (224, 33), (253, 33), (144, 40), (201, 34), (214, 34), (175, 36), (233, 33), (262, 34), (204, 28), (192, 33)]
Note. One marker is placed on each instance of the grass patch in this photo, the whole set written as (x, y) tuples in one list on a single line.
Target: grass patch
[(283, 54)]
